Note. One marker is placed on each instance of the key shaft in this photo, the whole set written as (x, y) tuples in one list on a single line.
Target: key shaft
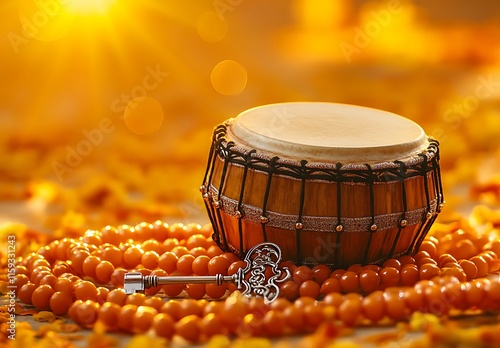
[(136, 282)]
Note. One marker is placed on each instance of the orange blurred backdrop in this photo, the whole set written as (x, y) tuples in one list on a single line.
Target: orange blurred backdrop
[(107, 106)]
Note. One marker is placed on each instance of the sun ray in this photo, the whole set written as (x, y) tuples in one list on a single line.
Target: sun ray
[(96, 58), (115, 45)]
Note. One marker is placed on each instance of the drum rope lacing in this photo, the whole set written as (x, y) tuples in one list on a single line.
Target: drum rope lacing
[(417, 166)]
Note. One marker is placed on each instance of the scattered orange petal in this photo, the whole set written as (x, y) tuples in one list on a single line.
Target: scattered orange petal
[(71, 328), (44, 316), (100, 340), (3, 287), (74, 337), (4, 317)]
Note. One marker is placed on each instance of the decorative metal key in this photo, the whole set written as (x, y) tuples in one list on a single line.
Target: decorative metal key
[(251, 279)]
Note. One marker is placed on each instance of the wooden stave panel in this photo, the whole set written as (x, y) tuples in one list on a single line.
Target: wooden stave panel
[(285, 189), (352, 243)]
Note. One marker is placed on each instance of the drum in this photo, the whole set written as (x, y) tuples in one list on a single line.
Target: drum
[(329, 183)]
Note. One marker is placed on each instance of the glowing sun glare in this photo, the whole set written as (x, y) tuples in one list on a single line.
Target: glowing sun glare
[(88, 6)]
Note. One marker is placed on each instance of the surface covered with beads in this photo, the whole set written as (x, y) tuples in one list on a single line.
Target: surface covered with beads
[(455, 273)]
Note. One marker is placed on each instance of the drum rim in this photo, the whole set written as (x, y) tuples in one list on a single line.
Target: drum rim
[(225, 148), (244, 135)]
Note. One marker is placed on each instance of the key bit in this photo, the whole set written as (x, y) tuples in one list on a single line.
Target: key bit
[(251, 279)]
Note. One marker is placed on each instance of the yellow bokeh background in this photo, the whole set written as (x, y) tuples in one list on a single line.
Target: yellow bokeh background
[(107, 107)]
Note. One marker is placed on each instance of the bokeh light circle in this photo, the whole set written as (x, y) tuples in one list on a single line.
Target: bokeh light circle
[(143, 115), (211, 27), (229, 77)]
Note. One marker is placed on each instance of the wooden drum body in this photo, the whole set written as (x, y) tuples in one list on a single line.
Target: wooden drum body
[(328, 183)]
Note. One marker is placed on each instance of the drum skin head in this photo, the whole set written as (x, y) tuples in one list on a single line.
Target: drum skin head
[(327, 132)]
